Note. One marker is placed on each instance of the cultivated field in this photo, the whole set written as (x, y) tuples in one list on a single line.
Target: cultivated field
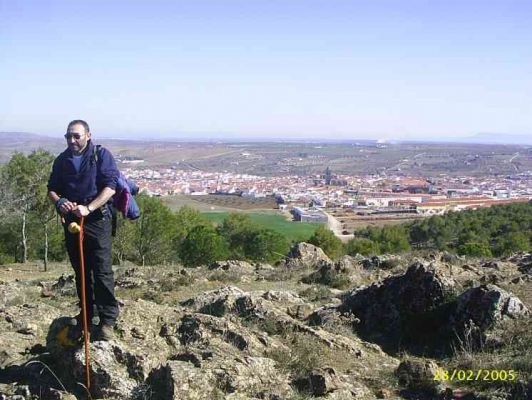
[(218, 203), (293, 231), (261, 211)]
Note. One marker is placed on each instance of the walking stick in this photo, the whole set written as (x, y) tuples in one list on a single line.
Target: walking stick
[(75, 228)]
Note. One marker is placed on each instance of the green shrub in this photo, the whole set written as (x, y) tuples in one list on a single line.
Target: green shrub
[(6, 259), (474, 250), (202, 246), (328, 242), (362, 246)]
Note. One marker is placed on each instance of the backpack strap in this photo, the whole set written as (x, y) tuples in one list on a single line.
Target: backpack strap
[(96, 156), (96, 151)]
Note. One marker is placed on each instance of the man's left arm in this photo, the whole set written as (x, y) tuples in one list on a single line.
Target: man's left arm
[(100, 200)]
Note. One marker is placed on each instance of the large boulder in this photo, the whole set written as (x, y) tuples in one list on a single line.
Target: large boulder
[(383, 261), (524, 263), (398, 309), (482, 309), (322, 381), (306, 255), (419, 376), (119, 368), (344, 273)]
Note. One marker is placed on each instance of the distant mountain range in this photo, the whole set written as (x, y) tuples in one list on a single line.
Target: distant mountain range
[(499, 138), (480, 138), (25, 141)]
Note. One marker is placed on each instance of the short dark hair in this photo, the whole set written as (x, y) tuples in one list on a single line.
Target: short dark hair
[(79, 122)]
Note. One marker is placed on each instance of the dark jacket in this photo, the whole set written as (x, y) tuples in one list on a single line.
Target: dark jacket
[(83, 186)]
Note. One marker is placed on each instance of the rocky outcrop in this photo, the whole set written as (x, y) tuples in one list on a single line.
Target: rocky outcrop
[(421, 310), (481, 309), (224, 343), (524, 263), (382, 262), (388, 309), (346, 272), (419, 376), (306, 255), (248, 377), (232, 265), (242, 343)]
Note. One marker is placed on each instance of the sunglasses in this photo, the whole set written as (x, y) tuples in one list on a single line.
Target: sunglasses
[(76, 136)]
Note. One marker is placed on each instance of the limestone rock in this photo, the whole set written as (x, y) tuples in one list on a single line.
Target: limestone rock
[(204, 331), (214, 302), (224, 343), (381, 306), (242, 378), (282, 296), (340, 275), (300, 312), (180, 380), (323, 381), (306, 255), (484, 307), (524, 263), (419, 375), (383, 261), (232, 265)]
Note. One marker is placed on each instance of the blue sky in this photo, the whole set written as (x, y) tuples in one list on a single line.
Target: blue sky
[(261, 69)]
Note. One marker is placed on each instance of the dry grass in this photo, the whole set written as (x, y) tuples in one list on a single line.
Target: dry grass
[(514, 354)]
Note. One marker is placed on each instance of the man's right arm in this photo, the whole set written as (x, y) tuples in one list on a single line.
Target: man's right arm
[(64, 206)]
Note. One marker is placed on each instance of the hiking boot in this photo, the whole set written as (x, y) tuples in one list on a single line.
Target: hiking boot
[(105, 333)]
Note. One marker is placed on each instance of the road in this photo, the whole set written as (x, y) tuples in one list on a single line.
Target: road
[(336, 226)]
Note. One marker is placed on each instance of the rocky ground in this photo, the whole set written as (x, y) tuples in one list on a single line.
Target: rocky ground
[(359, 328)]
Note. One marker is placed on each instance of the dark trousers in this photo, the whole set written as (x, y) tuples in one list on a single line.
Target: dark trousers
[(99, 278)]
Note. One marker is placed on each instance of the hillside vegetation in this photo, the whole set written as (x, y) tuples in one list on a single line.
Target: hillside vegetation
[(499, 230)]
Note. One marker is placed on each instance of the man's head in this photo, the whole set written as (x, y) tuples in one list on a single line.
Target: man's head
[(77, 136)]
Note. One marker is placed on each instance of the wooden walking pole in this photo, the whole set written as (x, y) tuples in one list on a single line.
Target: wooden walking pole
[(84, 304)]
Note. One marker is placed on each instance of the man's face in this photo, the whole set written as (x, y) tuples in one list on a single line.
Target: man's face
[(77, 138)]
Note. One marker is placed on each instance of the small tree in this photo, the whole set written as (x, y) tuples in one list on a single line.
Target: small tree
[(154, 231), (237, 229), (362, 246), (475, 250), (124, 240), (512, 243), (9, 239), (186, 219), (330, 244), (266, 245), (203, 245), (393, 239)]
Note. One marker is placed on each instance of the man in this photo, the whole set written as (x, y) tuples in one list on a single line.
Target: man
[(81, 184)]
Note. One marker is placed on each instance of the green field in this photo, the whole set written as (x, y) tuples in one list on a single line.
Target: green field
[(294, 231)]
